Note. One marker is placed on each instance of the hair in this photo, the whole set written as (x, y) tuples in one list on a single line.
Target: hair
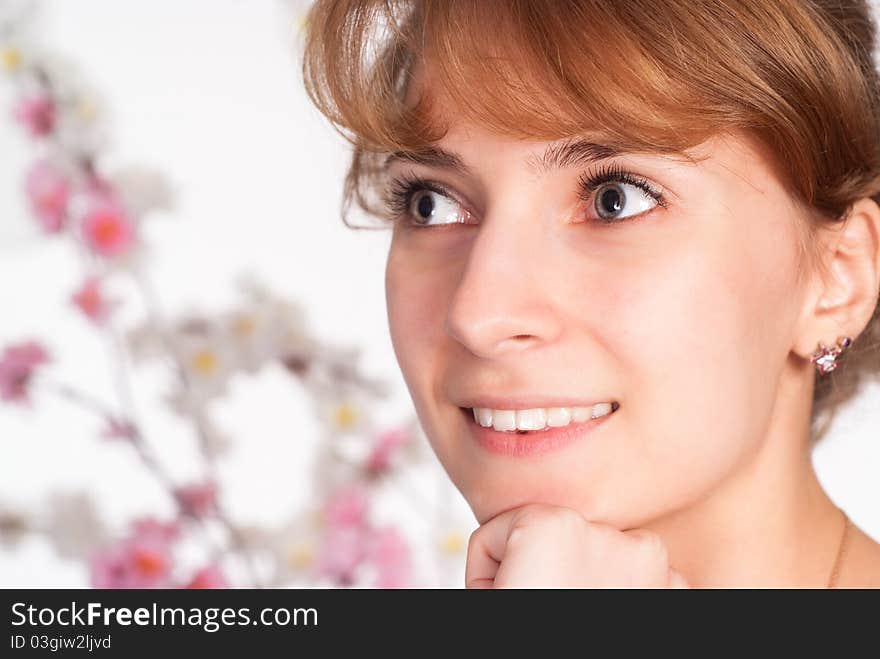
[(653, 76)]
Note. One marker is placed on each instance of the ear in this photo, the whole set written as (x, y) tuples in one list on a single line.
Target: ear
[(842, 300)]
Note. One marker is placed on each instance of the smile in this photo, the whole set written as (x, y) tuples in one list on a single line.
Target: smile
[(534, 431), (539, 418)]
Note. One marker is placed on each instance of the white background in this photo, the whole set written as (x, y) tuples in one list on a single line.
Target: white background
[(209, 92)]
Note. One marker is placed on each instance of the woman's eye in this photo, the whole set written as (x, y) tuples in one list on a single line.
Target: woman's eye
[(420, 203), (616, 201), (427, 207)]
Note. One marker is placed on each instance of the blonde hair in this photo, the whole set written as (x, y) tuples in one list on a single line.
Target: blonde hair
[(654, 76)]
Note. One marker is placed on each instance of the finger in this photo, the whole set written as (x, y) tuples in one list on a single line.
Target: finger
[(676, 580), (486, 551)]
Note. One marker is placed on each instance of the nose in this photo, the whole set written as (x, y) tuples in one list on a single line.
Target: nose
[(504, 302)]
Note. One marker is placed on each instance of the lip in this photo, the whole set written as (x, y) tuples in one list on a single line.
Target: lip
[(533, 443)]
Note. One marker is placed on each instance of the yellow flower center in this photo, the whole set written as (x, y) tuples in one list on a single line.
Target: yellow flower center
[(204, 362), (87, 109), (10, 58), (452, 542), (301, 556), (345, 415), (245, 325)]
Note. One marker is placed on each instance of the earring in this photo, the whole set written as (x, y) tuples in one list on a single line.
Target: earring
[(825, 358)]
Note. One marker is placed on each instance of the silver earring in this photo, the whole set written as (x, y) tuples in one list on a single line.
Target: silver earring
[(825, 358)]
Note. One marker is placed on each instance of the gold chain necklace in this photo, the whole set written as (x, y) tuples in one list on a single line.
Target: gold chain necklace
[(841, 551)]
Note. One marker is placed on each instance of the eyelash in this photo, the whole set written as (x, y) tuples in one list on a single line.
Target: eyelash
[(402, 189)]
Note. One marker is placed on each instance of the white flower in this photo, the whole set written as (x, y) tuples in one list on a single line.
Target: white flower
[(73, 525), (142, 189)]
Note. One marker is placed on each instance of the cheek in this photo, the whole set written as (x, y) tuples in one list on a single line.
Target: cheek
[(416, 307), (701, 334)]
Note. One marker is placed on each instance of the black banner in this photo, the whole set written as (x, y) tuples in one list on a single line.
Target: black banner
[(145, 622)]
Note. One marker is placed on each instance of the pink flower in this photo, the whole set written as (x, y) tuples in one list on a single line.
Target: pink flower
[(141, 560), (208, 577), (17, 365), (106, 227), (197, 499), (91, 301), (386, 448), (149, 527), (347, 506), (341, 551), (389, 553), (37, 113), (48, 191)]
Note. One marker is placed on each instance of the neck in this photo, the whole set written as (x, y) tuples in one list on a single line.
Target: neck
[(770, 523)]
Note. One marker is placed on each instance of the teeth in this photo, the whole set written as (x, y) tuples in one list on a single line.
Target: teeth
[(600, 409), (558, 416), (534, 419), (538, 418), (504, 419)]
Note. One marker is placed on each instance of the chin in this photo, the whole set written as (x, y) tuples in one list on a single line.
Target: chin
[(490, 496)]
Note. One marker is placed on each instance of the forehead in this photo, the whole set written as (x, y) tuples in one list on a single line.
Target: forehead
[(734, 154)]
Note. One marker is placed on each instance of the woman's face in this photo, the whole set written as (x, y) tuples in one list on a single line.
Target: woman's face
[(682, 313)]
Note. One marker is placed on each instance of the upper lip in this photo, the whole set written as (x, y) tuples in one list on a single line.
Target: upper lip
[(527, 401)]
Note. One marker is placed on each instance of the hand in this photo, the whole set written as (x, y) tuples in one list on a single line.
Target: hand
[(543, 546)]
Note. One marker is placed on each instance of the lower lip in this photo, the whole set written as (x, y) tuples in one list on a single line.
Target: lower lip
[(533, 442)]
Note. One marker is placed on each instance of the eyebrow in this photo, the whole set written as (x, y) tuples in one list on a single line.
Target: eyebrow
[(558, 155)]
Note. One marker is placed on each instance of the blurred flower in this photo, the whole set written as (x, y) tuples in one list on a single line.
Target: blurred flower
[(48, 190), (342, 544), (92, 302), (152, 528), (86, 109), (145, 342), (36, 113), (341, 413), (253, 336), (340, 553), (347, 506), (344, 415), (452, 542), (197, 499), (17, 366), (142, 190), (301, 553), (141, 560), (386, 448), (389, 554), (73, 524), (268, 328), (13, 527), (77, 131), (294, 547), (107, 228), (116, 428), (215, 441), (10, 58), (207, 361), (210, 576)]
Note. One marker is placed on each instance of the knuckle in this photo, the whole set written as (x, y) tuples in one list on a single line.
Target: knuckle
[(473, 540), (518, 533), (652, 547), (557, 516)]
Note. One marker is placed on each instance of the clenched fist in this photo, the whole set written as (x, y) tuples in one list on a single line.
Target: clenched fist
[(543, 546)]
